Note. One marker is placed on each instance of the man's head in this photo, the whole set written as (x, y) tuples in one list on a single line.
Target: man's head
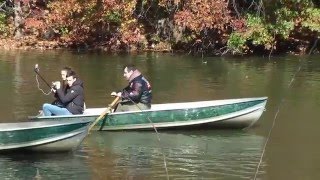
[(128, 71), (71, 77), (64, 72)]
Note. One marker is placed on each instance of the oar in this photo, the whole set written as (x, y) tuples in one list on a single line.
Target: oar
[(36, 70), (105, 113)]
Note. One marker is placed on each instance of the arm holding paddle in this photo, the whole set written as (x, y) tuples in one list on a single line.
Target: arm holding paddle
[(117, 94), (137, 93)]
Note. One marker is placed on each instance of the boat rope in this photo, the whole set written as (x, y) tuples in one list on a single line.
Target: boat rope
[(159, 140), (38, 85), (274, 120)]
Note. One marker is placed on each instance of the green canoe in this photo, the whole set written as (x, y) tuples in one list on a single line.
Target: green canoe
[(229, 113)]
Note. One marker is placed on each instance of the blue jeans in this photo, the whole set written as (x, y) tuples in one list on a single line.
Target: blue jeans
[(49, 110)]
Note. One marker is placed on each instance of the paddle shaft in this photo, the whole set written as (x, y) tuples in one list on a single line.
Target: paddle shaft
[(106, 112), (36, 70)]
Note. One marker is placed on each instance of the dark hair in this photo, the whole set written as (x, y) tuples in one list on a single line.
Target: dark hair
[(71, 73), (66, 68), (130, 67)]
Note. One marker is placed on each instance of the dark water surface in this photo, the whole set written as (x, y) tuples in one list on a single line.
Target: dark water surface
[(292, 152)]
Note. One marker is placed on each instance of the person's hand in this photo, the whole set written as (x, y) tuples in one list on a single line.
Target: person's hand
[(56, 85), (116, 94)]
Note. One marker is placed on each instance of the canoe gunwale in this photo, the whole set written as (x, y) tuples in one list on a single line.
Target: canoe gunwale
[(38, 124), (232, 101)]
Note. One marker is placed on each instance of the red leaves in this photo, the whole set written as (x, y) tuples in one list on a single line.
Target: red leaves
[(238, 25)]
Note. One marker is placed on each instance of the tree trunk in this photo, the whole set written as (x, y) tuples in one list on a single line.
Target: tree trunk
[(18, 20)]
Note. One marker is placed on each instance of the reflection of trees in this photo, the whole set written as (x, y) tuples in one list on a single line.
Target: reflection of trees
[(6, 82), (179, 78), (299, 110), (17, 82)]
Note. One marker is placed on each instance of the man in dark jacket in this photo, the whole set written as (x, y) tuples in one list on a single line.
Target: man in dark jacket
[(73, 98), (137, 95)]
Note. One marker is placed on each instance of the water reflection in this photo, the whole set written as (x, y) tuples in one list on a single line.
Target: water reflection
[(43, 166), (177, 78), (189, 154)]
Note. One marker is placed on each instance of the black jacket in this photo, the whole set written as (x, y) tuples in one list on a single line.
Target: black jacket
[(73, 99), (138, 90)]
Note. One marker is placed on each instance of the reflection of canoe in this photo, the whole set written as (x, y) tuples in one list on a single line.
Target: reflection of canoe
[(64, 135), (230, 113)]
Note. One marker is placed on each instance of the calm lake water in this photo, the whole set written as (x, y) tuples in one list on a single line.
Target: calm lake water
[(292, 152)]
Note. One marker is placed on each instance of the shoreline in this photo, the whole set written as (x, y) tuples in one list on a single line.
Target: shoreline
[(44, 45)]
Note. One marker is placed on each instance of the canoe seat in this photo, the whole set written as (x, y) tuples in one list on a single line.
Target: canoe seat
[(94, 111)]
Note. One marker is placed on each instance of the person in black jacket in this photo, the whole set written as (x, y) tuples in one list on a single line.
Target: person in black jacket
[(137, 95), (72, 99)]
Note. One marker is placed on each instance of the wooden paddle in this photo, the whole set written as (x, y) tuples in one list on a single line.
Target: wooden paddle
[(105, 113)]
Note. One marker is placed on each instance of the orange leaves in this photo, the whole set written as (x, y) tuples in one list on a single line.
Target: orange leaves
[(200, 14), (131, 37), (89, 19), (34, 23), (110, 4)]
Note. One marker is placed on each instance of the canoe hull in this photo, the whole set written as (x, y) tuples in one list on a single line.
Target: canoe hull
[(70, 143), (243, 121), (236, 120), (230, 113), (43, 136)]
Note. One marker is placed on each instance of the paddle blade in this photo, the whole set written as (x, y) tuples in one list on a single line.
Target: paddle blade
[(105, 113)]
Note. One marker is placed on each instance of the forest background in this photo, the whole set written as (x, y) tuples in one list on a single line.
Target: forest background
[(193, 26)]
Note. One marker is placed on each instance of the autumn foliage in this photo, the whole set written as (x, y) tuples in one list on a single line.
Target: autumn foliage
[(198, 26), (199, 15)]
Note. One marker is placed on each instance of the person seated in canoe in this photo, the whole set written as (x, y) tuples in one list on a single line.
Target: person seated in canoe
[(73, 99), (137, 95), (63, 72)]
